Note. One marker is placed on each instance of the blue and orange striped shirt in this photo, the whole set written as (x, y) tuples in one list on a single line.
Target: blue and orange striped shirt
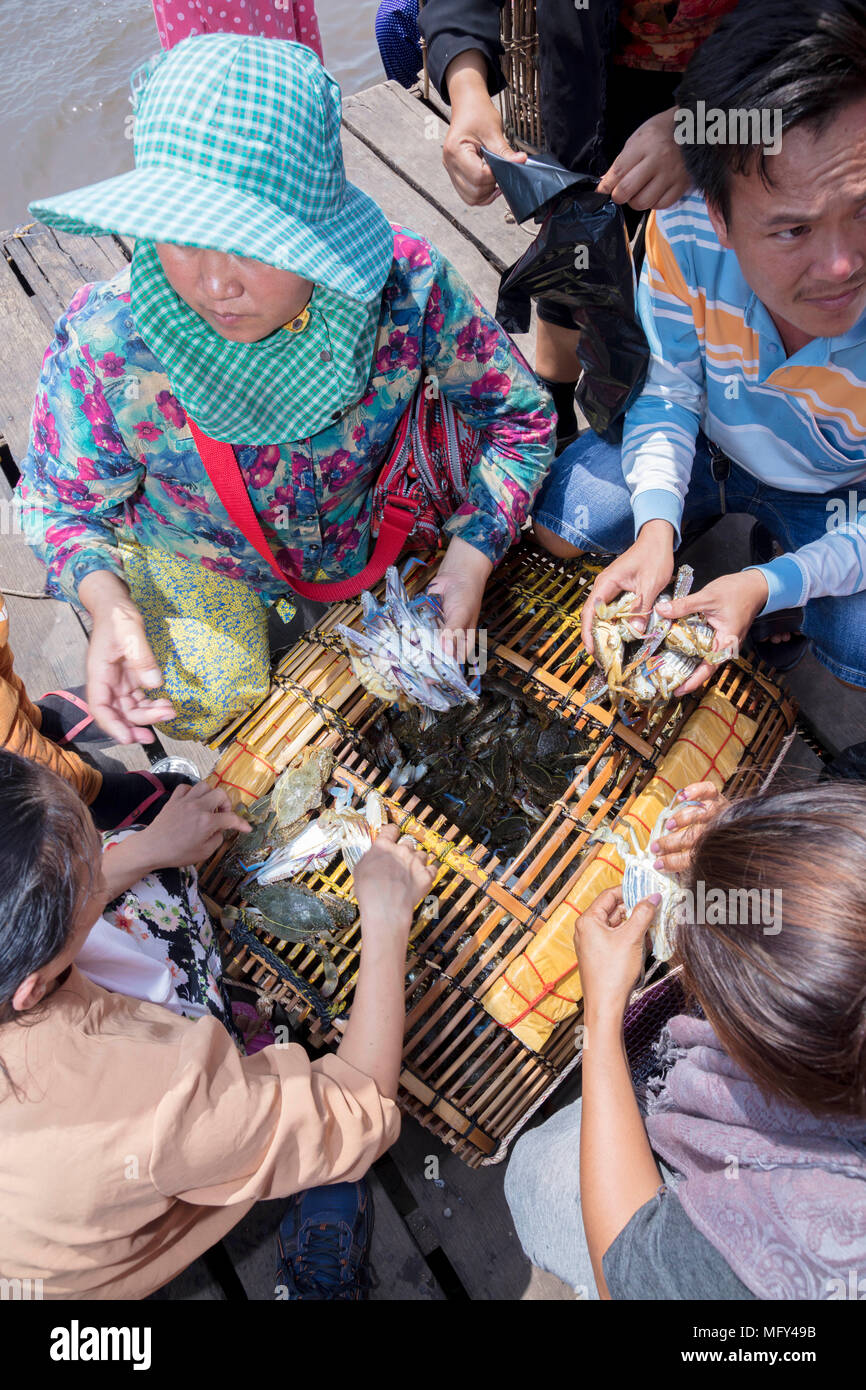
[(719, 365)]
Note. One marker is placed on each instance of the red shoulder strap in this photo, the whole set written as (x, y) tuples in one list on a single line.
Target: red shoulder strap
[(222, 468)]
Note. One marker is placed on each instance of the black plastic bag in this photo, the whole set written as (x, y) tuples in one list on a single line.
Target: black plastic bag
[(581, 259)]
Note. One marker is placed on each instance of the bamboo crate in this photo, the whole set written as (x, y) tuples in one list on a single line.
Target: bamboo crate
[(521, 98), (466, 1077)]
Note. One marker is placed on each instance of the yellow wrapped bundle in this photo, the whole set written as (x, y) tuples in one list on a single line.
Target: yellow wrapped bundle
[(542, 986)]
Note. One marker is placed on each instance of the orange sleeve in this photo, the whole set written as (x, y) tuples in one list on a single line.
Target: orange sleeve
[(19, 727)]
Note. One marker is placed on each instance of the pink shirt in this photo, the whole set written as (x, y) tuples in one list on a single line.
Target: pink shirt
[(269, 19)]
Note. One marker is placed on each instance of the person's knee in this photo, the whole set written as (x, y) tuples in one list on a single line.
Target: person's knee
[(524, 1184), (553, 543)]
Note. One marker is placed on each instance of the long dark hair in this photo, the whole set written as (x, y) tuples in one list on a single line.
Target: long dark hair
[(786, 993), (47, 869)]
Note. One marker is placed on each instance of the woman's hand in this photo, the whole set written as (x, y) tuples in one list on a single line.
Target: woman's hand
[(610, 950), (390, 880), (730, 605), (649, 171), (644, 569), (475, 121), (120, 663), (190, 827), (459, 586), (683, 830)]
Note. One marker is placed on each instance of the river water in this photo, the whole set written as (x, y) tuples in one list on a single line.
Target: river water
[(64, 86)]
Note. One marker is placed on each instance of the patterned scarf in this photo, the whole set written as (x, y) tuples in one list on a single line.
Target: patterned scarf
[(779, 1192), (288, 386)]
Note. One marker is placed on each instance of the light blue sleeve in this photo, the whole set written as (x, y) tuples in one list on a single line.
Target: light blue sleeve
[(661, 427), (834, 565)]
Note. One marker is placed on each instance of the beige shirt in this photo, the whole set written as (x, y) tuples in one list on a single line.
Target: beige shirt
[(137, 1139)]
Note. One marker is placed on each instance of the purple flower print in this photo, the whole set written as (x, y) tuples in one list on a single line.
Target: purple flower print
[(79, 379), (86, 467), (474, 341), (264, 466), (493, 385), (96, 407), (171, 409), (519, 509), (45, 433), (112, 364), (433, 315), (291, 561), (147, 431), (345, 538), (56, 535), (183, 497), (88, 357), (74, 492), (401, 351), (106, 438), (223, 565), (336, 468), (80, 297), (358, 433), (412, 250)]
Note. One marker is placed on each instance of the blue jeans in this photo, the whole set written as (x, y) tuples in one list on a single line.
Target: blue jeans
[(585, 500)]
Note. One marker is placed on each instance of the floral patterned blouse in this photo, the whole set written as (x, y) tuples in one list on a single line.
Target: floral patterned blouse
[(111, 449)]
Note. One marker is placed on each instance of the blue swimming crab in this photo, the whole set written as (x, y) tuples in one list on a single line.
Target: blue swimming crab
[(662, 658), (641, 878)]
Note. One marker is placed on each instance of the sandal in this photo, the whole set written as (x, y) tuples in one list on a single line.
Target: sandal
[(784, 656)]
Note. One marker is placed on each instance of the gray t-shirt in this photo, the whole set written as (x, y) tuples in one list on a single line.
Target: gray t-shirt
[(662, 1254)]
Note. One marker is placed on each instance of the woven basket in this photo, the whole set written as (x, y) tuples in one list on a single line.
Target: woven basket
[(466, 1077), (521, 99)]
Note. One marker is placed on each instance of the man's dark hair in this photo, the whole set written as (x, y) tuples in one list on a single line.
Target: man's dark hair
[(806, 58)]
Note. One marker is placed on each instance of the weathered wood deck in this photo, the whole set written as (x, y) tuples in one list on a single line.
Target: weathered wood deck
[(435, 1238)]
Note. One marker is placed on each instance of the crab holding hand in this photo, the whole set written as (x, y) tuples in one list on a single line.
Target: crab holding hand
[(190, 827), (686, 826), (644, 569), (459, 587), (730, 605), (390, 880), (610, 948)]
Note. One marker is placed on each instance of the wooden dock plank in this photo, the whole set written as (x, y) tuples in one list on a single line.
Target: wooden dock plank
[(404, 204), (477, 1235), (22, 346), (400, 1270), (409, 137), (56, 268)]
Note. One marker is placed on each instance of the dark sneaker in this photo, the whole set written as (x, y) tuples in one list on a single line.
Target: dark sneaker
[(323, 1244)]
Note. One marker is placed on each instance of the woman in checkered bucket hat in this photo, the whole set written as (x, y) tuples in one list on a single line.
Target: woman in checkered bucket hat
[(270, 306)]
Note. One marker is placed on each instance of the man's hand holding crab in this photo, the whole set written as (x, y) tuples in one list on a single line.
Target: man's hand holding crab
[(644, 570), (730, 605)]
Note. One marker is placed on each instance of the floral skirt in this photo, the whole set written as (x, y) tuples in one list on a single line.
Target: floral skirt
[(156, 942)]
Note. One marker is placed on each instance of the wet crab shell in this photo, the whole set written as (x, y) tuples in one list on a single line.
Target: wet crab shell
[(641, 880)]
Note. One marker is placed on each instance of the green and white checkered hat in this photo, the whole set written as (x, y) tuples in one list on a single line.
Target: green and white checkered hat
[(237, 149)]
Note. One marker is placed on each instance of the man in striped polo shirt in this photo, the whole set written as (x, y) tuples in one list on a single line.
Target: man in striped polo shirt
[(753, 299)]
